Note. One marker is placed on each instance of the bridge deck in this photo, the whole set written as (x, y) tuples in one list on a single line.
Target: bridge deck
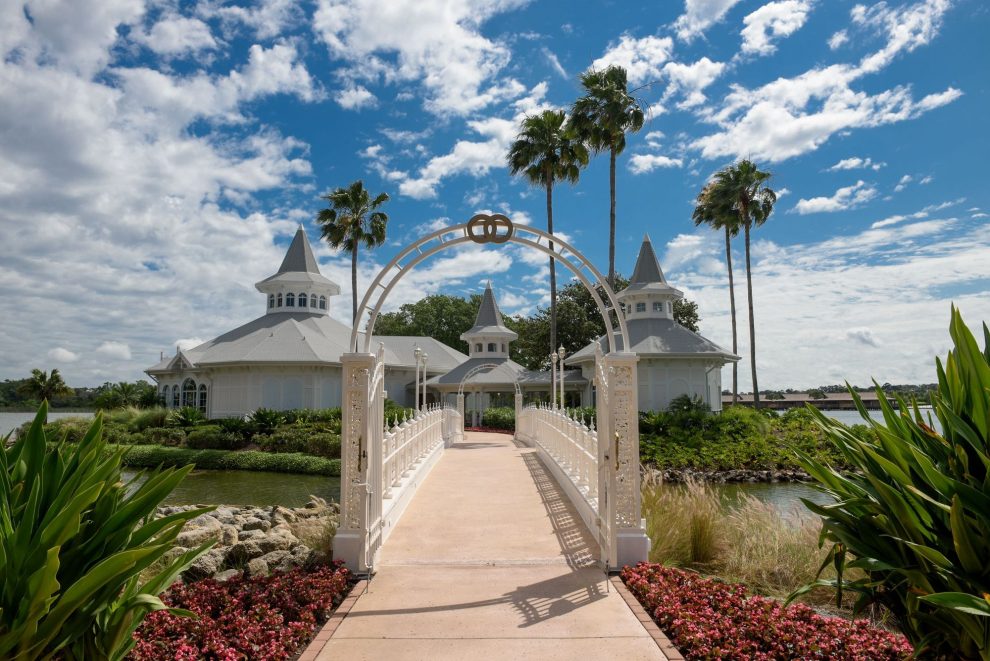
[(490, 561)]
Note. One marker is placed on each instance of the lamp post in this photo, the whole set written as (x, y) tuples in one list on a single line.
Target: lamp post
[(560, 378), (417, 352), (553, 379), (423, 401)]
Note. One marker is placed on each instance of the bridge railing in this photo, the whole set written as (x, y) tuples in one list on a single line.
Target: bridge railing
[(571, 447)]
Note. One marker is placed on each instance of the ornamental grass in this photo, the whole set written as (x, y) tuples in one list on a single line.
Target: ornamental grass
[(709, 619)]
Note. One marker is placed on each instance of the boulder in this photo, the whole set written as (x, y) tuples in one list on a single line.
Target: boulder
[(227, 574), (205, 566), (242, 552), (254, 523), (229, 535), (257, 567)]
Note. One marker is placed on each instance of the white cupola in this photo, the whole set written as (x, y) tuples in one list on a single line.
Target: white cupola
[(298, 286), (489, 337), (648, 295)]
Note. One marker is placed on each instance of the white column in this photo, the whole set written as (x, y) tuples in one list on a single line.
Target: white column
[(350, 541)]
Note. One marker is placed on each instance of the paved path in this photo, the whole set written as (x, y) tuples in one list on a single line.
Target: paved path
[(490, 561)]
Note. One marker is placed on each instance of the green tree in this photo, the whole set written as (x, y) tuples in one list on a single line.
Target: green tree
[(743, 188), (440, 316), (43, 386), (601, 118), (686, 314), (711, 211), (353, 219), (545, 152), (817, 393)]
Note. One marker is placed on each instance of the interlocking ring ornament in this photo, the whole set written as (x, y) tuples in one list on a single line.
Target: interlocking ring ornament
[(490, 225)]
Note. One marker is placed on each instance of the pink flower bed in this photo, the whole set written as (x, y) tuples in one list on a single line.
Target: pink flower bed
[(491, 430), (708, 619), (244, 618)]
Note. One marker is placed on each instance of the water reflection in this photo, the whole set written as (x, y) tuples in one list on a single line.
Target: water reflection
[(257, 488)]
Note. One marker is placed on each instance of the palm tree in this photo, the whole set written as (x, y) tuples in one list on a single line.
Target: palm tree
[(602, 117), (45, 386), (545, 152), (743, 188), (351, 220), (707, 212)]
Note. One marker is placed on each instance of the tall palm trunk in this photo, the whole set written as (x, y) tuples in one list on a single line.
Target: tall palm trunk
[(611, 222), (752, 322), (553, 268), (732, 309), (354, 258)]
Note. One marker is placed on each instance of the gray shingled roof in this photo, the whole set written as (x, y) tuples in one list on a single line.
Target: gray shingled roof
[(304, 337), (299, 256), (647, 267), (655, 337), (506, 372), (489, 319)]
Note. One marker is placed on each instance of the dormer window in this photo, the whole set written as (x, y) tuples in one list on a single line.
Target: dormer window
[(271, 301), (290, 300), (641, 307), (323, 302), (302, 300), (279, 299)]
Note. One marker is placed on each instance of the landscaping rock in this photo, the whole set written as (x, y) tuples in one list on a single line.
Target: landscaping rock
[(257, 567), (205, 566), (229, 535), (227, 574), (256, 523)]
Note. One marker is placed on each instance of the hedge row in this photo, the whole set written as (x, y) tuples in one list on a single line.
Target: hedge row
[(152, 456)]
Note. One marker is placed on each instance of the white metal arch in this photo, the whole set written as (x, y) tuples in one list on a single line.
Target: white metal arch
[(477, 369), (420, 250)]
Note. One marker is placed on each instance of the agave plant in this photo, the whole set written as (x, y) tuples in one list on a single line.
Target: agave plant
[(74, 542), (914, 514)]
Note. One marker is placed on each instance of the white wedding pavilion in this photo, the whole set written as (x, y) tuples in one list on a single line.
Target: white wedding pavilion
[(290, 357)]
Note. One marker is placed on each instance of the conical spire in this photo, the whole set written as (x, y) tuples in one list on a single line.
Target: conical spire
[(300, 256), (647, 268), (489, 319)]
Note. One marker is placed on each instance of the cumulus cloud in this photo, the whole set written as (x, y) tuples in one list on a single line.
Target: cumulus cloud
[(699, 15), (112, 349), (266, 18), (356, 98), (774, 20), (903, 182), (62, 355), (643, 59), (838, 39), (178, 35), (645, 163), (856, 163), (848, 197), (435, 43)]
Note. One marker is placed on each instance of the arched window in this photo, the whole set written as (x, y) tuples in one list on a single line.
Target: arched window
[(477, 347), (271, 301), (175, 397), (312, 301), (302, 300), (491, 347), (189, 393), (202, 398), (280, 300), (290, 300), (323, 302), (164, 396)]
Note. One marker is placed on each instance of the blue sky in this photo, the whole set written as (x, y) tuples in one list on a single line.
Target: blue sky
[(156, 156)]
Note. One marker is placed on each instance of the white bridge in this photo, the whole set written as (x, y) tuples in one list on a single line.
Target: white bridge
[(385, 461)]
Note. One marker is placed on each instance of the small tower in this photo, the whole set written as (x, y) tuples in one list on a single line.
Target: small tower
[(648, 295), (298, 286), (489, 337)]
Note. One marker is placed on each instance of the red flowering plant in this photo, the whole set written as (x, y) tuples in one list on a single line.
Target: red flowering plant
[(708, 619), (269, 617)]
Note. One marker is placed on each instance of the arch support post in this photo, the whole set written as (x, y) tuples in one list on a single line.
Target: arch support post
[(350, 543), (629, 543), (460, 414)]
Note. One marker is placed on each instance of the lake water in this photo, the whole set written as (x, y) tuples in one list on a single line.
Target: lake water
[(11, 421), (854, 418), (258, 488)]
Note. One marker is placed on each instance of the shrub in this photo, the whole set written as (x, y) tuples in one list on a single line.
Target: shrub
[(187, 416), (71, 429), (284, 439), (266, 420), (136, 419), (150, 456), (242, 428), (324, 445), (707, 619), (312, 415), (269, 617), (212, 437), (915, 513), (74, 541), (393, 411), (501, 417), (169, 436)]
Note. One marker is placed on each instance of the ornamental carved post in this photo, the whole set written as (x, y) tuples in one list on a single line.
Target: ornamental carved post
[(460, 413), (350, 543), (630, 545)]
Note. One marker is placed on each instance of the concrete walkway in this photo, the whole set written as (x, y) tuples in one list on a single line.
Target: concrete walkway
[(490, 561)]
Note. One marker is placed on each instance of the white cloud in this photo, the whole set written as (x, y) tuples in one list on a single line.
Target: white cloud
[(980, 214), (435, 42), (645, 163), (62, 355), (178, 35), (902, 184), (554, 62), (643, 59), (857, 163), (917, 215), (356, 98), (112, 349), (848, 197), (792, 116), (863, 336), (691, 79), (773, 21), (699, 15), (838, 39), (186, 343), (268, 18), (926, 180)]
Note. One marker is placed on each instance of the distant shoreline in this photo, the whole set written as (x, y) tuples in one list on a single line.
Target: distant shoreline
[(22, 409)]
